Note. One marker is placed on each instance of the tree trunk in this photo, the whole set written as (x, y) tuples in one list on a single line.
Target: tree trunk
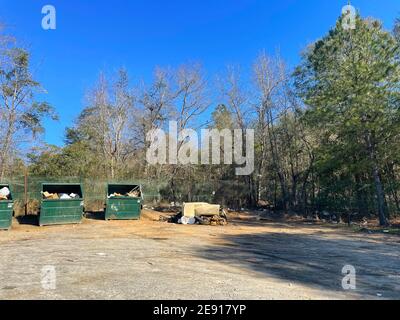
[(5, 152), (393, 189), (361, 197), (380, 196), (377, 181), (293, 196), (284, 191)]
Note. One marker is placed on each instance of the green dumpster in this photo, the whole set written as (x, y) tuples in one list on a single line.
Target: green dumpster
[(124, 202), (61, 204), (6, 210)]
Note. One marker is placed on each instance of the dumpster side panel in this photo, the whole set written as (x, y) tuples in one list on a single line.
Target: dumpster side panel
[(61, 212), (6, 212), (123, 209)]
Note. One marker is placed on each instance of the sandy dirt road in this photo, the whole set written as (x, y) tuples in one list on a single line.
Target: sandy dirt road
[(146, 259)]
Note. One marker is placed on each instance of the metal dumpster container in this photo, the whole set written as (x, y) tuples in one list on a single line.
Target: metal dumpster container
[(6, 210), (61, 211), (121, 206)]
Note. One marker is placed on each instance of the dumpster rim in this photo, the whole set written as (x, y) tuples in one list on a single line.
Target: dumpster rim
[(125, 185), (63, 184)]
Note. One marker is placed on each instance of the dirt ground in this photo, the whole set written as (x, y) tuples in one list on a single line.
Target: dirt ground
[(248, 259)]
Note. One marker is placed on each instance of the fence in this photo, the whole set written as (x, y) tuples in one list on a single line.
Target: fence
[(27, 191)]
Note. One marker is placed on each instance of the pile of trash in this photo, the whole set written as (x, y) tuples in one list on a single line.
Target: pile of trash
[(5, 194), (59, 196), (204, 220), (134, 193), (220, 220), (199, 213)]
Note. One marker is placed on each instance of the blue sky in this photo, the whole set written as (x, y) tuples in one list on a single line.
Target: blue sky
[(139, 35)]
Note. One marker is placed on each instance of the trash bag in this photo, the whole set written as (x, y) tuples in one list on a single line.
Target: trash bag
[(4, 193), (187, 220)]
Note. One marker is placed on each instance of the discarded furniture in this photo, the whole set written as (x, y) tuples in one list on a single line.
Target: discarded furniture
[(61, 204), (124, 202), (193, 209), (203, 213), (6, 207)]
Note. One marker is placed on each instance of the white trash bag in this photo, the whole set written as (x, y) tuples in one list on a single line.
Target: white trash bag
[(187, 220), (5, 192)]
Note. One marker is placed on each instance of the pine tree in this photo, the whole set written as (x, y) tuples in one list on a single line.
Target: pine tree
[(350, 81)]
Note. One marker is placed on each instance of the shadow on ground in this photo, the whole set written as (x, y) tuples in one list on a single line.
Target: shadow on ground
[(315, 260), (95, 215), (33, 220), (30, 220)]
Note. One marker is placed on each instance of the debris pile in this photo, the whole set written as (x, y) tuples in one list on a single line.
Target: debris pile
[(213, 221), (5, 194), (62, 196), (134, 193), (199, 213)]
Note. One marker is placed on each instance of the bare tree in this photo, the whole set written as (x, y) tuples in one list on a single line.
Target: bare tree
[(235, 97), (190, 98), (154, 105), (270, 78), (190, 101), (107, 119), (19, 112)]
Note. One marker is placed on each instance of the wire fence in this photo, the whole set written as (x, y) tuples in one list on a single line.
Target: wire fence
[(235, 194), (26, 191)]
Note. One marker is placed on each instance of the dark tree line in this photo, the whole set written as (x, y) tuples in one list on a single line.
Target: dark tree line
[(326, 133)]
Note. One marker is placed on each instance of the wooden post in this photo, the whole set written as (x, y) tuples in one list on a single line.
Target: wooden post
[(26, 191)]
